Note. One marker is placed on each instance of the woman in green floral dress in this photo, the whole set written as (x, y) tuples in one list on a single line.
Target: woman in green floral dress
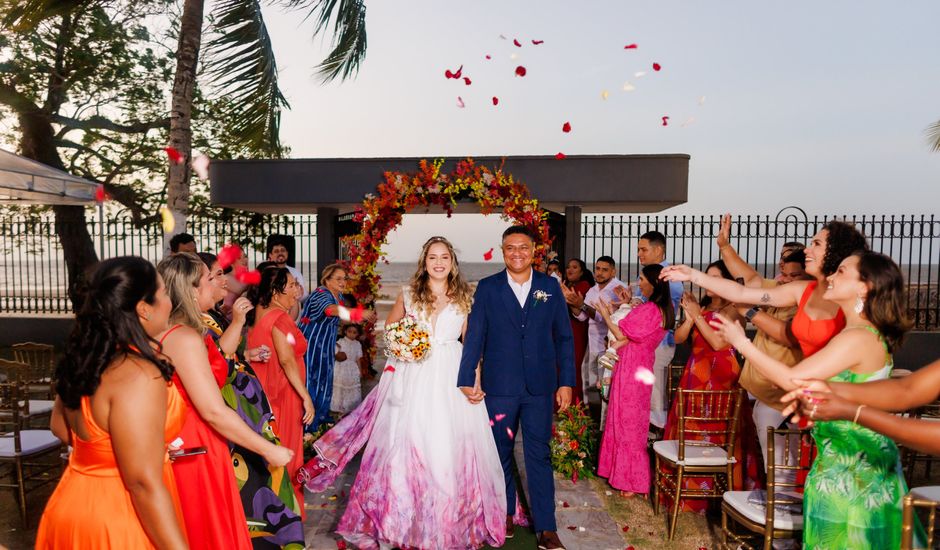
[(853, 493)]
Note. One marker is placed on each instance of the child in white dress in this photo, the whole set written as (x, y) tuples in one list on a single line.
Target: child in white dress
[(347, 385)]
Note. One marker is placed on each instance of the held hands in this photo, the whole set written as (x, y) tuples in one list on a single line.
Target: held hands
[(724, 232), (309, 411), (563, 397), (731, 331), (277, 455), (803, 396), (474, 395), (240, 309)]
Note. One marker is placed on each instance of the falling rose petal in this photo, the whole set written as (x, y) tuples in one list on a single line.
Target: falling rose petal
[(627, 87), (573, 527), (340, 544), (244, 276), (488, 56), (305, 320), (100, 194), (229, 254), (467, 81), (605, 94), (350, 314), (626, 528), (291, 340), (665, 121), (516, 43), (701, 100), (565, 505), (492, 423), (200, 165), (495, 100), (537, 42), (608, 493), (630, 47), (560, 156), (499, 417), (645, 376), (657, 67), (389, 368), (460, 102), (448, 74), (488, 255), (639, 74), (175, 156), (459, 72), (566, 127), (509, 433), (581, 529), (167, 219), (520, 71)]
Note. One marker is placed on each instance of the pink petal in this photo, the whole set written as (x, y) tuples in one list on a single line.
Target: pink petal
[(492, 423), (291, 340), (645, 376), (460, 102), (488, 255), (488, 56), (509, 433), (630, 47), (100, 194), (229, 254), (500, 417), (200, 165)]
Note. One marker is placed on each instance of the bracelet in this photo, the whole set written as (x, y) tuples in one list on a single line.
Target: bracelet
[(858, 411)]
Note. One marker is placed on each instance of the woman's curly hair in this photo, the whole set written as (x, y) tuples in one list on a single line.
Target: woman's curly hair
[(842, 240), (458, 290), (107, 327)]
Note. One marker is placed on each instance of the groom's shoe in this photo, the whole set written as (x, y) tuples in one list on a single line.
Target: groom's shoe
[(548, 540), (510, 527)]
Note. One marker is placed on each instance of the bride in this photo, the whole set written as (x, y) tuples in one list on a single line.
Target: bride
[(430, 476)]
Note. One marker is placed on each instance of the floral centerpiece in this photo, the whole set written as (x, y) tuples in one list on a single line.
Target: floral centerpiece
[(408, 339), (574, 443)]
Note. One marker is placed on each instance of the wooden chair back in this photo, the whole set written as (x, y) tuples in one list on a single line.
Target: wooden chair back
[(708, 417), (912, 502), (40, 356), (13, 409)]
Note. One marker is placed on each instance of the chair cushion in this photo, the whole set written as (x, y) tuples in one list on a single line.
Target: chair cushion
[(658, 418), (695, 455), (32, 441), (753, 506), (930, 492)]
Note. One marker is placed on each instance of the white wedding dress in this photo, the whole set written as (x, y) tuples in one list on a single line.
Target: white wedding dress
[(430, 476)]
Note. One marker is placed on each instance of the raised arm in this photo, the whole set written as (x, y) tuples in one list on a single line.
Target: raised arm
[(136, 422), (187, 351), (776, 329), (603, 308), (782, 296), (233, 334), (738, 267)]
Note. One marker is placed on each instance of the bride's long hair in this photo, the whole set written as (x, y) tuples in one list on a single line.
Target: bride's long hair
[(458, 290)]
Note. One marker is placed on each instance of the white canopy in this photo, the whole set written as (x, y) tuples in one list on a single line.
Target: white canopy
[(25, 181)]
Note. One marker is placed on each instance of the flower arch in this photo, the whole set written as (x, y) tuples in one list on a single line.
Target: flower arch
[(403, 192)]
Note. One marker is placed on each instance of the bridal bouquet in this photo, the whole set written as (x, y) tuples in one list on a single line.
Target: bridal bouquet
[(408, 339)]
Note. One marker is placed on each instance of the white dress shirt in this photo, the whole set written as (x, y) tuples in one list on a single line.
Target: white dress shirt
[(597, 328), (520, 290)]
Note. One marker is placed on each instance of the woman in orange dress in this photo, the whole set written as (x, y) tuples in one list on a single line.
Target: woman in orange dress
[(119, 411), (206, 483), (283, 375), (713, 366)]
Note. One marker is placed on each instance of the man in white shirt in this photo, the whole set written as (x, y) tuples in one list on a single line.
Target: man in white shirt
[(278, 254), (605, 277)]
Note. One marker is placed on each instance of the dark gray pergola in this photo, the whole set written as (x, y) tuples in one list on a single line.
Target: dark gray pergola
[(566, 188)]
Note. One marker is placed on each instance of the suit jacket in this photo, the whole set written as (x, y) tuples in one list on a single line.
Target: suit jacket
[(523, 348)]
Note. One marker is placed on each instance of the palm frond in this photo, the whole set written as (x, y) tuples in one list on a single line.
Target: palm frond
[(349, 34), (933, 136), (241, 61), (26, 15)]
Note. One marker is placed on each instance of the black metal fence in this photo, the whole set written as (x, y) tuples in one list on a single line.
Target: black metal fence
[(33, 277), (913, 242)]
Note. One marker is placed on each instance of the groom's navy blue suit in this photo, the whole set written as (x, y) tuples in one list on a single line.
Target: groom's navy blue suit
[(527, 353)]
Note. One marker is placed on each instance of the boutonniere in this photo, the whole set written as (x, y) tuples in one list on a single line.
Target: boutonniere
[(540, 296)]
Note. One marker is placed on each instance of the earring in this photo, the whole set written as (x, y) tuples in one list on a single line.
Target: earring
[(859, 305)]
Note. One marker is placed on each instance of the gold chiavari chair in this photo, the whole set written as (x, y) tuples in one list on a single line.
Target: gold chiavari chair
[(928, 499), (32, 409), (702, 415), (41, 359)]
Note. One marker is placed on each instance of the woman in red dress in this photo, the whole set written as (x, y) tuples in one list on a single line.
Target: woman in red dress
[(208, 492), (283, 374), (579, 279)]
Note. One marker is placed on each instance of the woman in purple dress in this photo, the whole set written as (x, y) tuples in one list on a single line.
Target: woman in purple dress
[(623, 457)]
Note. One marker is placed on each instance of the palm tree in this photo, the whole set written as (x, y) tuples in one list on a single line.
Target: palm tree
[(241, 60), (933, 136)]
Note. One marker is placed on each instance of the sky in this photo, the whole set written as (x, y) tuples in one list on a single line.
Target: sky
[(822, 105)]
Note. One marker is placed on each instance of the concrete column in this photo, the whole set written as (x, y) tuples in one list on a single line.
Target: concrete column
[(327, 239), (572, 232)]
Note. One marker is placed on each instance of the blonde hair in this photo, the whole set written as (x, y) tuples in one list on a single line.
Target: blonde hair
[(458, 290), (328, 272), (181, 273)]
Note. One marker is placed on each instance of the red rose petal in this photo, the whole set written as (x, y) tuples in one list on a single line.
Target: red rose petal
[(665, 121), (175, 156), (460, 102), (520, 71), (630, 47), (537, 42), (626, 528), (459, 72), (305, 320), (516, 42), (389, 368), (566, 127), (560, 156), (467, 81), (488, 255), (100, 194), (565, 505), (448, 74), (244, 276), (340, 545), (573, 527), (229, 254), (488, 56), (495, 100), (657, 66)]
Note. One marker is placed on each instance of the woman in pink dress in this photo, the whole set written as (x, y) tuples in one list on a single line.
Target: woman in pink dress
[(623, 458)]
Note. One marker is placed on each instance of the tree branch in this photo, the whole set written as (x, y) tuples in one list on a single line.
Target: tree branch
[(12, 98), (101, 123)]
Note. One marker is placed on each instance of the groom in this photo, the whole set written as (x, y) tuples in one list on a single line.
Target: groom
[(519, 327)]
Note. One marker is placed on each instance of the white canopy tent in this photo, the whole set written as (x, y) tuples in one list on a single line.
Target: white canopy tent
[(25, 181)]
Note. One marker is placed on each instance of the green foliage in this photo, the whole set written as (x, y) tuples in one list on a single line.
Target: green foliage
[(574, 443)]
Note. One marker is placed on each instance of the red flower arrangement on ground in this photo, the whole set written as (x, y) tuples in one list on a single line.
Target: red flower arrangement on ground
[(402, 192)]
